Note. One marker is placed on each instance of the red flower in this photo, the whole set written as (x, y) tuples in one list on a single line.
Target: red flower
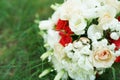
[(68, 30), (63, 25), (117, 44), (65, 39), (118, 18), (117, 59), (65, 32)]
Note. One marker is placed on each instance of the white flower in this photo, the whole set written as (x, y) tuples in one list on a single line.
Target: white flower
[(106, 15), (110, 2), (59, 52), (69, 50), (56, 16), (94, 32), (78, 73), (77, 44), (97, 44), (78, 24), (57, 64), (85, 50), (112, 47), (67, 10), (117, 53), (91, 8), (114, 36), (52, 38), (46, 24), (113, 25), (85, 63)]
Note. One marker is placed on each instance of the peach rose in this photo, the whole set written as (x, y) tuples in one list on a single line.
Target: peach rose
[(103, 58)]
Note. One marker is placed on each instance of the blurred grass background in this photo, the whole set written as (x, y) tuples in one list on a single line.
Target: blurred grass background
[(20, 42)]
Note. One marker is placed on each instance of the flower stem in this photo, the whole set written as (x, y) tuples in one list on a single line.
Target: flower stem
[(113, 72)]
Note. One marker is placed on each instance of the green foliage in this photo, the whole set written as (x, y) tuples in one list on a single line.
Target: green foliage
[(20, 42)]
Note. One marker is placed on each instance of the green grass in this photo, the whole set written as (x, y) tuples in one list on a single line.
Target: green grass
[(20, 42)]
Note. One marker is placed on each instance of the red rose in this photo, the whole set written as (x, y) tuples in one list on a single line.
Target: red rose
[(63, 25), (65, 39), (64, 31), (68, 30), (117, 59)]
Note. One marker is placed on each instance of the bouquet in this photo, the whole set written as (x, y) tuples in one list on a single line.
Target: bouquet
[(82, 38)]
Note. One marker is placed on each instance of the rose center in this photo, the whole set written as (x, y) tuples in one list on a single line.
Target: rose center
[(104, 55)]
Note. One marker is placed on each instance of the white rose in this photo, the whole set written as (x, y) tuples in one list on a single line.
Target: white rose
[(91, 8), (115, 5), (78, 24), (107, 15), (67, 10), (46, 24), (102, 58), (110, 2)]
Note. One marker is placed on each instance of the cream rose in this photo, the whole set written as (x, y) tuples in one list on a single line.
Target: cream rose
[(103, 58)]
